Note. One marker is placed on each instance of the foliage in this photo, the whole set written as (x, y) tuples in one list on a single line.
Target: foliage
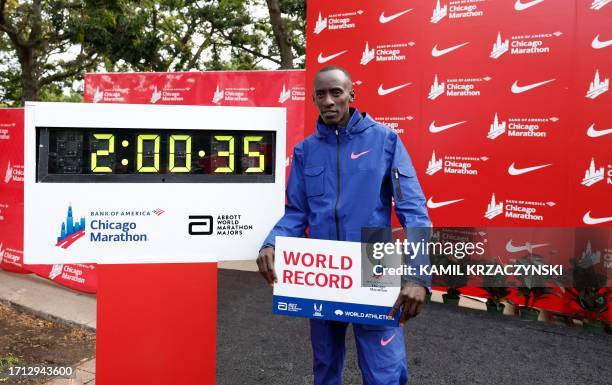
[(496, 285), (592, 300), (535, 287), (48, 45)]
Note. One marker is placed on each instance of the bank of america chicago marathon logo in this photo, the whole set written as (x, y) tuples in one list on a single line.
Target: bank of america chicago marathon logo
[(113, 95), (233, 94), (517, 209), (596, 5), (455, 164), (595, 174), (523, 127), (523, 44), (295, 93), (598, 86), (396, 123), (13, 172), (118, 226), (456, 9), (337, 21), (5, 133), (168, 94), (457, 87), (385, 52)]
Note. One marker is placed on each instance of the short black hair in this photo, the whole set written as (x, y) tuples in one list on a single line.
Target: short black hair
[(336, 68)]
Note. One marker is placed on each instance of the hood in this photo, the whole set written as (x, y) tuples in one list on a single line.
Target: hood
[(358, 123)]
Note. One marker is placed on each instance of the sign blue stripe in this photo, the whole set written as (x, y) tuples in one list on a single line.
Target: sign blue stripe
[(333, 311)]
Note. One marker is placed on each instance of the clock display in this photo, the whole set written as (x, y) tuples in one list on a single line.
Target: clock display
[(137, 155)]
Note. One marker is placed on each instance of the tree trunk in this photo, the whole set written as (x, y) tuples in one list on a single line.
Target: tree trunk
[(283, 40), (29, 80)]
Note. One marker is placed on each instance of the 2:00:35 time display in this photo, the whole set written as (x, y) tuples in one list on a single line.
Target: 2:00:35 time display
[(135, 155)]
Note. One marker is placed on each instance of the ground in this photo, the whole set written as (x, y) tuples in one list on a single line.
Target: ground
[(28, 340)]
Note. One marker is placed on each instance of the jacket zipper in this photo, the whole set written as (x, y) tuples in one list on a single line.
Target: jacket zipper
[(398, 191), (338, 197)]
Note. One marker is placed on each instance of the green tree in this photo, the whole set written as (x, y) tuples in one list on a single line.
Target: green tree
[(45, 46)]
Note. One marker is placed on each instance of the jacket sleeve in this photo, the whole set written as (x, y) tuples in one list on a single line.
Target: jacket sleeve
[(410, 207), (294, 221)]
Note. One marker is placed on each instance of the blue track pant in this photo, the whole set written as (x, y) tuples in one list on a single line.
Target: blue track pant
[(381, 352)]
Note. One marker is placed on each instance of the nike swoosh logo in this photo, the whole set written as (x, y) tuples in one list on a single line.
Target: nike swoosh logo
[(435, 129), (593, 133), (355, 156), (520, 6), (384, 342), (598, 44), (515, 249), (382, 91), (324, 59), (385, 19), (512, 170), (516, 89), (435, 52), (434, 205), (589, 220)]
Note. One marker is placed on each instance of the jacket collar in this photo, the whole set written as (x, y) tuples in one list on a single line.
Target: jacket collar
[(357, 123)]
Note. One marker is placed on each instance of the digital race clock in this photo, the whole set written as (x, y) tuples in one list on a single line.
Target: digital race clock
[(120, 183), (134, 155)]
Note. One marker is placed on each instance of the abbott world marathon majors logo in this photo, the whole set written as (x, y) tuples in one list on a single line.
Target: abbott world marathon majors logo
[(524, 44), (229, 224), (521, 127), (294, 94), (13, 173), (455, 164), (385, 52), (457, 9), (595, 174), (337, 21), (232, 94), (517, 209), (457, 87), (110, 96)]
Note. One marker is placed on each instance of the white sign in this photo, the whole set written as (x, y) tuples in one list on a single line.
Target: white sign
[(97, 200), (323, 279)]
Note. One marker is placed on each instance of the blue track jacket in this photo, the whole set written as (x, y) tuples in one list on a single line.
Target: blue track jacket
[(342, 179)]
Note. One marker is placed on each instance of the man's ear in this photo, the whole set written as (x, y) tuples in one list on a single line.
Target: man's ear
[(352, 94)]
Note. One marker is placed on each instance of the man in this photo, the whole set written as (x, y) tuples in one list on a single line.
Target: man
[(342, 179)]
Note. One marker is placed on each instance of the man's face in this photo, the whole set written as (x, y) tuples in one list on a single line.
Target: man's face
[(333, 92)]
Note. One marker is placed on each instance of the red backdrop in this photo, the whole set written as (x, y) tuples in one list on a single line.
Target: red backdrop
[(491, 98)]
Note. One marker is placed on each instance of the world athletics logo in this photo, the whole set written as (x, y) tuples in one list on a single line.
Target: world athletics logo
[(71, 230)]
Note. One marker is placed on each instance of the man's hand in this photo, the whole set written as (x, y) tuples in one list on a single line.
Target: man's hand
[(265, 262), (410, 299)]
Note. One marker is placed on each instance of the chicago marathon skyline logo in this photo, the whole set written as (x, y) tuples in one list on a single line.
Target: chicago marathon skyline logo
[(336, 21), (528, 44), (455, 87), (71, 231), (524, 127), (517, 209), (456, 9), (594, 174), (596, 5), (598, 86)]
